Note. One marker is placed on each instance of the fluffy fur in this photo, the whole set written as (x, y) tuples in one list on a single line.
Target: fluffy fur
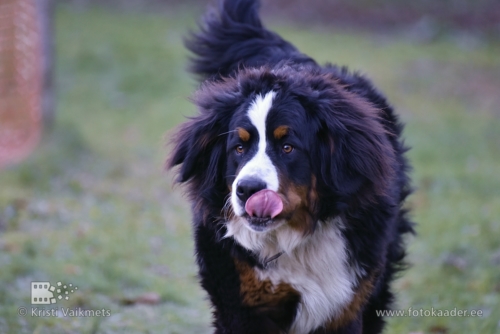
[(315, 252)]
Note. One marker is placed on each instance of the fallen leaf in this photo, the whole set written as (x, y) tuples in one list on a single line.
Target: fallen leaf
[(437, 329), (148, 298)]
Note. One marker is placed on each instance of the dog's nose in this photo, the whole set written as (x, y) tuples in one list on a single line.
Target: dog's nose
[(248, 187)]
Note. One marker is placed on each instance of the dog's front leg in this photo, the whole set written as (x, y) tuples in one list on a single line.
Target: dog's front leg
[(221, 276)]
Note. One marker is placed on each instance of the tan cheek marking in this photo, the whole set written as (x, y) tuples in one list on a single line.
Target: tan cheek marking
[(363, 292), (300, 205), (243, 134), (280, 131), (262, 293)]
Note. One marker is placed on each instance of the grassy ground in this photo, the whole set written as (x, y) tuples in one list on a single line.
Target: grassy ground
[(93, 207)]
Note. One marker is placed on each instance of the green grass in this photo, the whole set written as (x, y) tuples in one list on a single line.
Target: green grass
[(93, 207)]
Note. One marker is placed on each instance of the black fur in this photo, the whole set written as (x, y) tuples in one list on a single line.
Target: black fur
[(350, 141)]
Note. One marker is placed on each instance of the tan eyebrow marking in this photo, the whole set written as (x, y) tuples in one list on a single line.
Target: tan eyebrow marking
[(244, 135), (280, 131)]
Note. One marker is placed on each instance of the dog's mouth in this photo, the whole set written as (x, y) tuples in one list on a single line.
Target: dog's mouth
[(262, 208), (260, 224), (263, 224)]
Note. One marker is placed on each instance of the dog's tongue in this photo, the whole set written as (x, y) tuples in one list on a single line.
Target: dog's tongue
[(265, 203)]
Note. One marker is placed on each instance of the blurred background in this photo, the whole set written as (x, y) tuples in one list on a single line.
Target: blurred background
[(90, 88)]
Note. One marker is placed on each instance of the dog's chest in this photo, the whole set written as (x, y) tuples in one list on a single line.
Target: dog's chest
[(318, 269)]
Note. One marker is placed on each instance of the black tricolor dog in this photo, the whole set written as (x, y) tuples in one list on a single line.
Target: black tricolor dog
[(297, 180)]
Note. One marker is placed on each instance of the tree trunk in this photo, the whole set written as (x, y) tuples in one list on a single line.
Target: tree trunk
[(45, 9)]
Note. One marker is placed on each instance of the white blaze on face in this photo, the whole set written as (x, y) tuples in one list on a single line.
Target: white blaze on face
[(259, 166)]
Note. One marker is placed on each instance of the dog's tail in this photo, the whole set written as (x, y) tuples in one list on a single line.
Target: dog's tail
[(234, 36)]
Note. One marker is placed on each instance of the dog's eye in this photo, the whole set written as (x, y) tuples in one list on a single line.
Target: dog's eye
[(239, 149), (287, 148)]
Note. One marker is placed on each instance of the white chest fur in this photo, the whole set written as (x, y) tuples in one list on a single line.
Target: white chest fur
[(318, 269)]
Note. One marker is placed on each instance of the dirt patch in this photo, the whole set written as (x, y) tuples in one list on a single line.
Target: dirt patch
[(481, 15), (478, 15)]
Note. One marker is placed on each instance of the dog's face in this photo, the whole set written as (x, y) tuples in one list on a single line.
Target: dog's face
[(274, 151), (268, 170)]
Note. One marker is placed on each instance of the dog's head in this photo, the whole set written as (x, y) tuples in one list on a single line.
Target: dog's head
[(276, 150)]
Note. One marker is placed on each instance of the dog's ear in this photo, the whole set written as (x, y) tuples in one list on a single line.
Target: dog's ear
[(354, 154), (197, 148), (200, 143)]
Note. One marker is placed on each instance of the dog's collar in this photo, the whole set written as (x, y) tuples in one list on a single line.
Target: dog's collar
[(268, 260)]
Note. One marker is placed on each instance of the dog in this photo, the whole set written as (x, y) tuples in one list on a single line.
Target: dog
[(297, 177)]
